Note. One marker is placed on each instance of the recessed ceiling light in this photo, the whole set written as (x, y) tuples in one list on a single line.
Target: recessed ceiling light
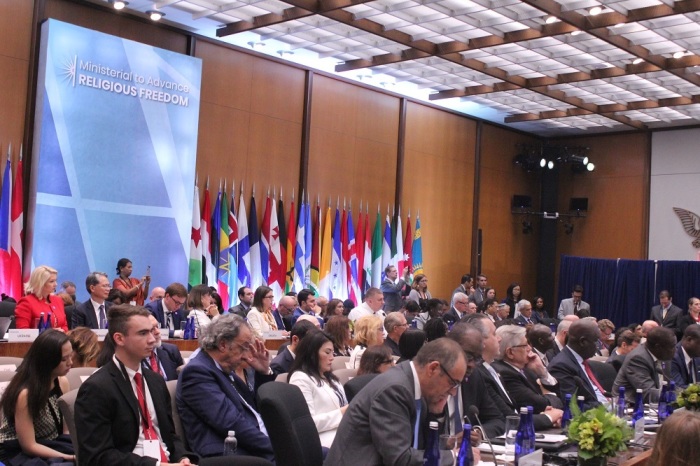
[(118, 4), (596, 10), (619, 25), (576, 32), (637, 61), (551, 19), (155, 14), (678, 54)]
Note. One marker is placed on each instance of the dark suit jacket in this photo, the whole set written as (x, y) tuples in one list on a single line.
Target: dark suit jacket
[(393, 346), (475, 392), (210, 406), (679, 370), (239, 310), (282, 362), (282, 324), (524, 391), (552, 352), (564, 368), (503, 404), (84, 315), (638, 371), (520, 320), (392, 294), (378, 426), (673, 318), (156, 308), (169, 358), (685, 321), (451, 316), (108, 423)]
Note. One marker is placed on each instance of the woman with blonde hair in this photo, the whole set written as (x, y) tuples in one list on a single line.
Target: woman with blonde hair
[(368, 332), (260, 315), (40, 299)]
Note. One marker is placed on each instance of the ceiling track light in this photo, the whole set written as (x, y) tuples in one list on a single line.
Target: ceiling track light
[(637, 61), (118, 4), (576, 32), (551, 19), (155, 15), (590, 166), (550, 164), (596, 10), (679, 54)]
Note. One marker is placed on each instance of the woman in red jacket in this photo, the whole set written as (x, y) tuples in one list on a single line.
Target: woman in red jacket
[(39, 298)]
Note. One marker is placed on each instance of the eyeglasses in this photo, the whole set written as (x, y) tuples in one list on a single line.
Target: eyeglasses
[(269, 297), (526, 345), (455, 383), (388, 361), (179, 303)]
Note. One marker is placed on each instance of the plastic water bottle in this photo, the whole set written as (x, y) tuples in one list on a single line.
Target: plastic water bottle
[(522, 437), (553, 328), (531, 427), (671, 397), (566, 415), (579, 400), (230, 444), (663, 403), (621, 404), (466, 456), (431, 455), (47, 324), (638, 416), (40, 326)]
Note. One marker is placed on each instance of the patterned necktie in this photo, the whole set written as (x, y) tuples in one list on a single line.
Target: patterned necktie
[(155, 367), (101, 310), (148, 430)]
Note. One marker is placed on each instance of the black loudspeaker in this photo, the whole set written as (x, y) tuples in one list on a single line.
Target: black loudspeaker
[(579, 204), (521, 201)]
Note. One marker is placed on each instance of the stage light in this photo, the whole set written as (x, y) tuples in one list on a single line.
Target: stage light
[(551, 19), (590, 167), (543, 162), (678, 54), (550, 164), (155, 15), (596, 10), (637, 61), (118, 4)]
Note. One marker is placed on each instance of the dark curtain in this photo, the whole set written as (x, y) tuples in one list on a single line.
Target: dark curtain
[(634, 292), (680, 278)]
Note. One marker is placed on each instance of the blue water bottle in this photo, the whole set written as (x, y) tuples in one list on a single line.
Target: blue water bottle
[(466, 456), (663, 403), (531, 427), (522, 437), (621, 404), (566, 415), (638, 406), (671, 397), (431, 455), (41, 324)]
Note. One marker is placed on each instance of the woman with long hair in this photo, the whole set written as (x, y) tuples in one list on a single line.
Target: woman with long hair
[(134, 289), (260, 315), (201, 306), (369, 331), (85, 346), (30, 415), (312, 373), (39, 298), (340, 333), (513, 295), (419, 289), (677, 441), (335, 307)]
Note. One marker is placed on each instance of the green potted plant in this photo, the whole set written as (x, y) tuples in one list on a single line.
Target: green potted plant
[(599, 435), (689, 398)]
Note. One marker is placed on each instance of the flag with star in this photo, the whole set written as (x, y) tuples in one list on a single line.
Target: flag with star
[(195, 273)]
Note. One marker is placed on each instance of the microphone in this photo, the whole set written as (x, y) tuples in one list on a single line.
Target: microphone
[(474, 411)]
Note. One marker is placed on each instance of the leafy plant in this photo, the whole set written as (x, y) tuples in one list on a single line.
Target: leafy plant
[(689, 398), (598, 432)]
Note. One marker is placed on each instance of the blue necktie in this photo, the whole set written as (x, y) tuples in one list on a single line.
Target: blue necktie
[(417, 426)]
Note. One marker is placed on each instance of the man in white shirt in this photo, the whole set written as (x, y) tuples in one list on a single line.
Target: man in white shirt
[(93, 312), (374, 301)]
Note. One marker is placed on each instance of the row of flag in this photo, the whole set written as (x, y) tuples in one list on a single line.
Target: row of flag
[(318, 248), (11, 230)]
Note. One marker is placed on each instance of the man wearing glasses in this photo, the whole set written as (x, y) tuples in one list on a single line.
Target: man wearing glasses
[(168, 311), (460, 308), (212, 399)]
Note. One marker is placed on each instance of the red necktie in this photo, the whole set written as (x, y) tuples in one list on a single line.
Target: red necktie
[(154, 363), (148, 430), (592, 377)]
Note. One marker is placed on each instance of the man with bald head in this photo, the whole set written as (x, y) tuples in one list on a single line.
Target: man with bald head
[(646, 327), (686, 360), (157, 293), (648, 364), (284, 311), (571, 366)]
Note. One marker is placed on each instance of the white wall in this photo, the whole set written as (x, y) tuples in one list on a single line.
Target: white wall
[(675, 182)]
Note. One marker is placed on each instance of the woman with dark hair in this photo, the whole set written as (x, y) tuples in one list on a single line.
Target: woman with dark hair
[(260, 315), (410, 342), (116, 296), (216, 299), (539, 310), (338, 329), (134, 290), (433, 310), (201, 306), (419, 289), (376, 360), (335, 307), (312, 373), (513, 295), (31, 418), (677, 441)]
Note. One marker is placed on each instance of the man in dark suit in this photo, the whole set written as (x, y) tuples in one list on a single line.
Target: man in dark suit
[(541, 339), (168, 311), (395, 325), (93, 312), (391, 289), (667, 314), (386, 423), (285, 357), (307, 303), (465, 285), (525, 317), (685, 365), (165, 357), (209, 404), (460, 308), (245, 300), (111, 405), (643, 365), (627, 340), (520, 370), (571, 367), (283, 313)]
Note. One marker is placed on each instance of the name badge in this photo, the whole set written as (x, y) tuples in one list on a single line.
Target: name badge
[(101, 333), (275, 335), (7, 368), (151, 448), (26, 335)]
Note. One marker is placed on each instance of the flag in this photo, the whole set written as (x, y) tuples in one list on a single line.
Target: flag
[(276, 281), (344, 255), (316, 252), (401, 262), (336, 282), (283, 243), (308, 246), (300, 250), (243, 244), (377, 252), (353, 284), (265, 243), (232, 250), (195, 273), (360, 248), (366, 258), (215, 233), (394, 251), (223, 268), (324, 272), (408, 245), (254, 242), (5, 201), (417, 255), (386, 246), (208, 269), (17, 233), (291, 246)]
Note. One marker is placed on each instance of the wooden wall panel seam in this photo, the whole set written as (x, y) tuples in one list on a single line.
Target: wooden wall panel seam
[(306, 134), (475, 200)]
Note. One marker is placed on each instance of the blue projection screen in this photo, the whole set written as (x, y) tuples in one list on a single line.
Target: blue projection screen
[(115, 145)]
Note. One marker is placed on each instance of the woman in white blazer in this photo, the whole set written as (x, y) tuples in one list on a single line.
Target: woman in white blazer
[(311, 372), (260, 315)]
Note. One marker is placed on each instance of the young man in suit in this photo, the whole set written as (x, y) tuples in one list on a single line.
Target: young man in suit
[(168, 311), (667, 314), (122, 412), (574, 305), (93, 312), (283, 361), (165, 357)]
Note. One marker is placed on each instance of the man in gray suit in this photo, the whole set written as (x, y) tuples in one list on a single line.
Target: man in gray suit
[(644, 364), (392, 289), (574, 305), (387, 420), (667, 314), (245, 298)]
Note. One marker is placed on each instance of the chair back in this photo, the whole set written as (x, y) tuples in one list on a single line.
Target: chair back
[(76, 376), (292, 431), (282, 377), (344, 375), (339, 362), (67, 406), (9, 360), (179, 430), (353, 387), (605, 373), (7, 309)]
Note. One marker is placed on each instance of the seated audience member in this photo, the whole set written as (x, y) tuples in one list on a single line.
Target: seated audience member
[(338, 329), (574, 305), (546, 419), (93, 312), (647, 325), (283, 313), (106, 352), (626, 342), (156, 293), (607, 337), (513, 297), (307, 305), (31, 421), (560, 337), (216, 299), (116, 296), (207, 400), (335, 307), (282, 362), (524, 312), (201, 307), (676, 442), (85, 346), (434, 329), (667, 314), (540, 312), (392, 289), (165, 357), (112, 431), (39, 299), (260, 315), (135, 290), (571, 367), (433, 310), (644, 364), (324, 394), (410, 343), (348, 305), (383, 425), (69, 288), (460, 308), (169, 310), (503, 311), (686, 359), (371, 306), (693, 316), (394, 324), (411, 311), (368, 332), (518, 360), (490, 308), (68, 307), (321, 304), (309, 318), (245, 301), (541, 339), (375, 360)]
